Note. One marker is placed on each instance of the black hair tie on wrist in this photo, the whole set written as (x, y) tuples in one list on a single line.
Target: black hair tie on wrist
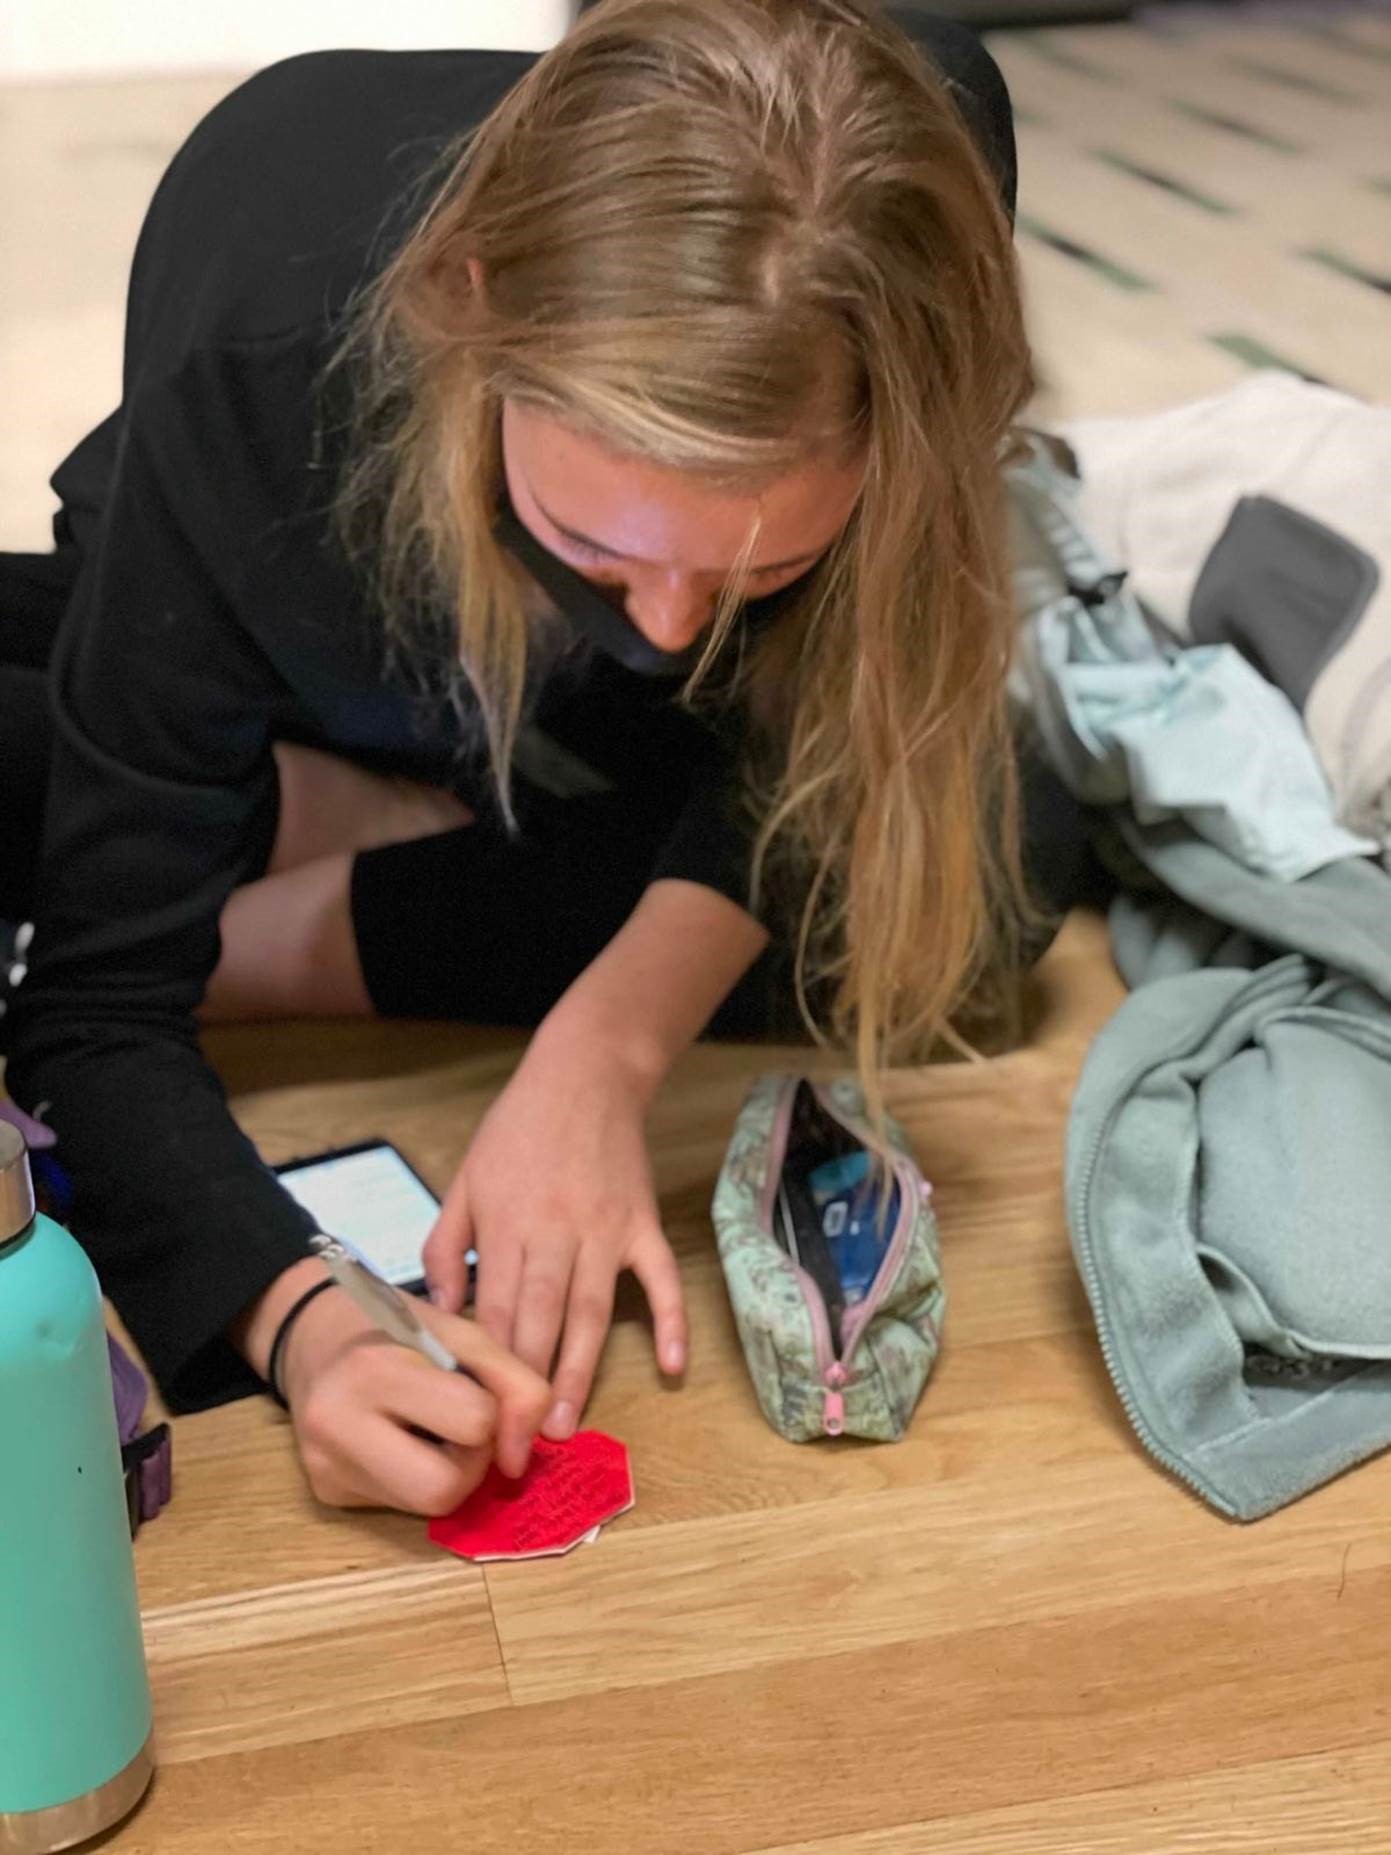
[(282, 1333)]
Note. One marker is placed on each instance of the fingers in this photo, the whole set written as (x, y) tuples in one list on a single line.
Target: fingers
[(522, 1395), (544, 1290), (498, 1287), (447, 1246), (652, 1261), (451, 1406), (587, 1320), (387, 1467), (386, 1429)]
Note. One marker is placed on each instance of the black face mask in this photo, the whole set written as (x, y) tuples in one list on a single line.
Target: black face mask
[(603, 624)]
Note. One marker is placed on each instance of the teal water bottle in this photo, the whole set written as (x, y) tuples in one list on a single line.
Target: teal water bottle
[(75, 1752)]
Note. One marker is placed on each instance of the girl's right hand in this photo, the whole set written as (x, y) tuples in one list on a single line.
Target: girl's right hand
[(360, 1404)]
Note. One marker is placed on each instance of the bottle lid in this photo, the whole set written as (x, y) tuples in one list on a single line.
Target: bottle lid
[(16, 1184)]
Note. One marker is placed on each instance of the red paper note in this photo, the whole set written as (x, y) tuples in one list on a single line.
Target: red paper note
[(568, 1491)]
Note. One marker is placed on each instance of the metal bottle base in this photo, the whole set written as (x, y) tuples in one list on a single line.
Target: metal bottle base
[(43, 1832)]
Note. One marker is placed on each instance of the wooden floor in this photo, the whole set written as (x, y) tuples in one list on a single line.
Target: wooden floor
[(1010, 1634)]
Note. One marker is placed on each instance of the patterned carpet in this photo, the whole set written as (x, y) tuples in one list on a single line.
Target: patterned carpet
[(1204, 190)]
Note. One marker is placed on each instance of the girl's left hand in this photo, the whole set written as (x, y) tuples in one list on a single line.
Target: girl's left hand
[(555, 1193)]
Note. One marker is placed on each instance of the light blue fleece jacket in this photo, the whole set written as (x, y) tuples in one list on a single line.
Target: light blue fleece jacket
[(1229, 1147)]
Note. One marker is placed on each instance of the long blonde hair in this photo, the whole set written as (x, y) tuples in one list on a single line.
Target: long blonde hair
[(716, 234)]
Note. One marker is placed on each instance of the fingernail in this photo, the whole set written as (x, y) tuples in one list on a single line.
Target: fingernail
[(440, 1299), (560, 1423), (673, 1357)]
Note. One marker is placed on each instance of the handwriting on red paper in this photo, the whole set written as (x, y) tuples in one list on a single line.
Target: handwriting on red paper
[(568, 1490)]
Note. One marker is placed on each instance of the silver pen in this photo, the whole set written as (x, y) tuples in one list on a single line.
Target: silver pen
[(381, 1301)]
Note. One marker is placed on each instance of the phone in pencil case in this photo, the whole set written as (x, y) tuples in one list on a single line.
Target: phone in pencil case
[(832, 1262)]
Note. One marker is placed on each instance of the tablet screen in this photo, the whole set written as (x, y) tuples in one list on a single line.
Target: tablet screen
[(372, 1197)]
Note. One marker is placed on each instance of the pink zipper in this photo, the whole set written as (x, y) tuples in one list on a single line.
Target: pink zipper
[(833, 1375), (912, 1189)]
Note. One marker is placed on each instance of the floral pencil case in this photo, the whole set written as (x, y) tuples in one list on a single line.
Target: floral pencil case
[(833, 1273)]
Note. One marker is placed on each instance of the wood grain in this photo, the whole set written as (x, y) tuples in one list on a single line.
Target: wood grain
[(1008, 1635), (738, 1592), (322, 1657), (1338, 1803), (986, 1718)]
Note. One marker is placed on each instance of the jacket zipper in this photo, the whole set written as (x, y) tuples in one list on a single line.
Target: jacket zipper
[(1092, 1278)]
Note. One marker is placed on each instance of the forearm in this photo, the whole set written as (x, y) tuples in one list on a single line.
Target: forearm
[(184, 1225), (659, 981)]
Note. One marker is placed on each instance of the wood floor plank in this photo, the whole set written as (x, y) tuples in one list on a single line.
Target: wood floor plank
[(316, 1659), (1338, 1803), (242, 1517), (706, 1451), (739, 1592), (920, 1732), (1013, 1386)]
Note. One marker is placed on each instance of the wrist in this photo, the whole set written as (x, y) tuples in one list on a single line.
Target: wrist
[(327, 1324), (574, 1033), (253, 1333), (275, 1367)]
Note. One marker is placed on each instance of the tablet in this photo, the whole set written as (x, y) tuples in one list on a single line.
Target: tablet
[(373, 1196)]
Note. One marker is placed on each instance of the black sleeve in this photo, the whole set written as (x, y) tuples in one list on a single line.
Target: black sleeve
[(162, 800), (712, 840)]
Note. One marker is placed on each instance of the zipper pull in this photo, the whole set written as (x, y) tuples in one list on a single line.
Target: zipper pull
[(833, 1411)]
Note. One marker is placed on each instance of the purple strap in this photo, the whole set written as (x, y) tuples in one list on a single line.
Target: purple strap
[(37, 1137), (154, 1466)]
